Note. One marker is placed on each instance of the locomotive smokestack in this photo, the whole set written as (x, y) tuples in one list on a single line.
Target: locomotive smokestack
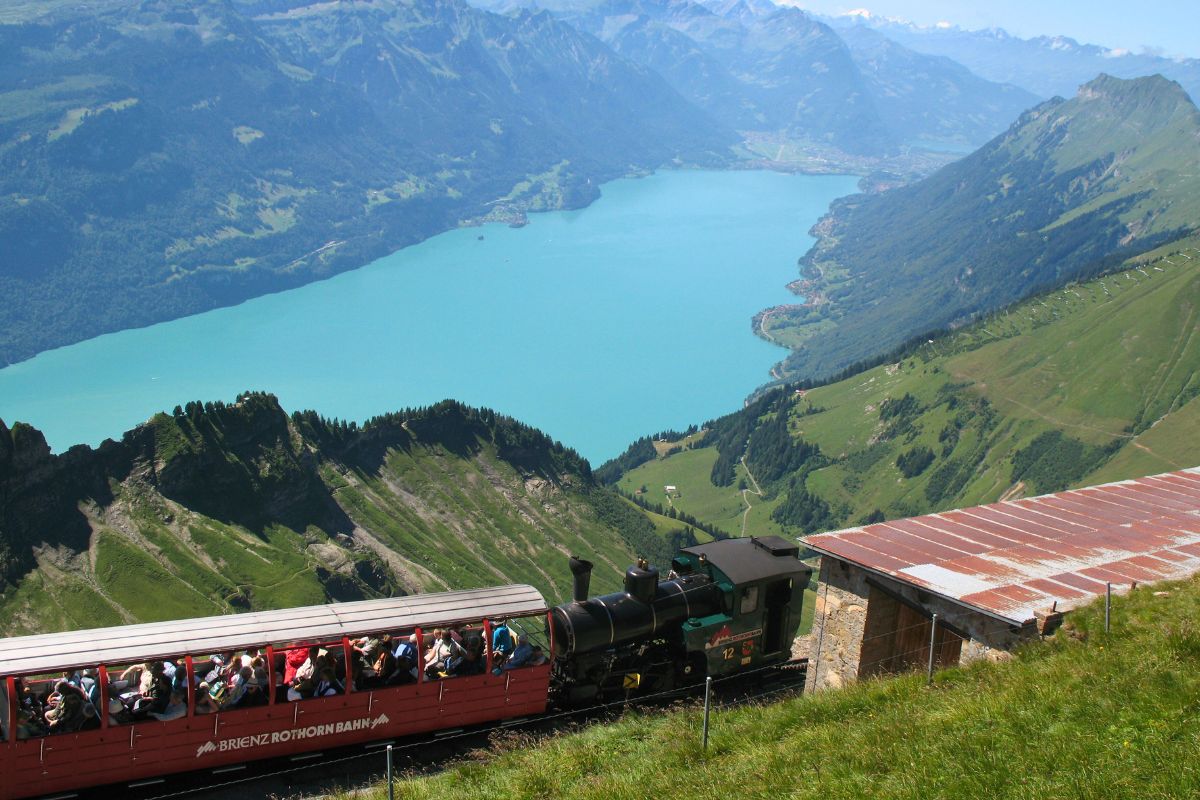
[(582, 570)]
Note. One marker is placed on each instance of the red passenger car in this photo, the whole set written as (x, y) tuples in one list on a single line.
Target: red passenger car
[(120, 748)]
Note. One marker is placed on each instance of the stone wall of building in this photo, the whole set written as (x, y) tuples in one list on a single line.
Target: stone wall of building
[(839, 619), (849, 640)]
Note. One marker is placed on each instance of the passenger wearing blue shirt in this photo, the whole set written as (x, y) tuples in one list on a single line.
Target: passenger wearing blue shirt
[(521, 655), (406, 657), (502, 642)]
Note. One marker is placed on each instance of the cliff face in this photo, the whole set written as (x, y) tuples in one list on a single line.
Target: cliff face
[(221, 507)]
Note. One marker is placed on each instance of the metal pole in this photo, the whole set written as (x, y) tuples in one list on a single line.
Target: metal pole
[(1107, 605), (932, 644), (391, 786), (707, 695)]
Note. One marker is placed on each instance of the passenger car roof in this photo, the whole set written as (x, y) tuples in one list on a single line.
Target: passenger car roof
[(205, 635)]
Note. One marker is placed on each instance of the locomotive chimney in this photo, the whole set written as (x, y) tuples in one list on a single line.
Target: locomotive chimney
[(582, 570)]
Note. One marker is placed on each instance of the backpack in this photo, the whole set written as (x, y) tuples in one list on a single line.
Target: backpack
[(219, 692)]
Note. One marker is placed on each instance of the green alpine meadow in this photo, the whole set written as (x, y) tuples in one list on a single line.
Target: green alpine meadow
[(1095, 381)]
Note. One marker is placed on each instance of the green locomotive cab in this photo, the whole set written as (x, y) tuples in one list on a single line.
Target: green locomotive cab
[(762, 584)]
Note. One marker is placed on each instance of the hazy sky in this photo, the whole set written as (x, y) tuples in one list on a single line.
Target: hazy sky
[(1172, 26)]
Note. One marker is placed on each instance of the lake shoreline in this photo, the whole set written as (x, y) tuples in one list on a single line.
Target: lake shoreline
[(599, 362)]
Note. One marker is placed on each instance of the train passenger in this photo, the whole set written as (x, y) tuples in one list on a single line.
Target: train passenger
[(406, 650), (444, 656), (65, 714), (296, 657), (502, 642), (175, 709), (258, 693), (306, 675), (370, 646), (204, 702), (327, 684), (237, 687), (379, 672), (406, 661), (90, 684), (474, 661), (208, 671), (27, 726), (522, 654)]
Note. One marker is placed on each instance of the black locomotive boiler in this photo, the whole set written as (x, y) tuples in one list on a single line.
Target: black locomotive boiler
[(726, 606)]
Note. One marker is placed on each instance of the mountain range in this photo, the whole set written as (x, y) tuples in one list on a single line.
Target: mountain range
[(158, 159), (1070, 187), (774, 70), (1044, 65)]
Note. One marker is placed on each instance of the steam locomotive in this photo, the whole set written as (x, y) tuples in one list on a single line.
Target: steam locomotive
[(725, 606)]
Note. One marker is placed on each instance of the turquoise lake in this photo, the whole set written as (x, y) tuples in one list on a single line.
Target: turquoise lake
[(600, 325)]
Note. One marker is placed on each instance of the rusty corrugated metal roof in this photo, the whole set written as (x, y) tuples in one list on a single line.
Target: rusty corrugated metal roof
[(1011, 558)]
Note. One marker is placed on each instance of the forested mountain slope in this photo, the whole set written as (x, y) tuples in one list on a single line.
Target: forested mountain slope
[(162, 158), (1067, 190), (1095, 382), (218, 508)]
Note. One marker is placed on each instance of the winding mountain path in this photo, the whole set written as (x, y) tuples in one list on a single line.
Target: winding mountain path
[(756, 490)]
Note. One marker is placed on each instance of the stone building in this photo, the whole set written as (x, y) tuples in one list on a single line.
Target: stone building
[(995, 575)]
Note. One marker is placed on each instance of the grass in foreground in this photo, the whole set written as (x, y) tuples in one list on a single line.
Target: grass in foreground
[(1084, 715)]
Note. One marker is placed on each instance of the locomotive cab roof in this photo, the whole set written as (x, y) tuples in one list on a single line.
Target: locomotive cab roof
[(752, 559)]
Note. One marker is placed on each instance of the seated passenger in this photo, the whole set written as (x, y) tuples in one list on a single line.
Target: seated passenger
[(474, 661), (306, 674), (406, 651), (444, 656), (502, 642), (27, 726), (90, 684), (294, 660), (153, 693), (204, 702), (175, 709), (66, 714), (208, 671), (370, 647), (327, 684), (382, 670), (406, 662), (522, 654), (237, 688), (257, 691)]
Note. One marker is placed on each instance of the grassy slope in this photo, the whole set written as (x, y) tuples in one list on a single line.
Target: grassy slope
[(1084, 715), (1112, 360), (720, 505)]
